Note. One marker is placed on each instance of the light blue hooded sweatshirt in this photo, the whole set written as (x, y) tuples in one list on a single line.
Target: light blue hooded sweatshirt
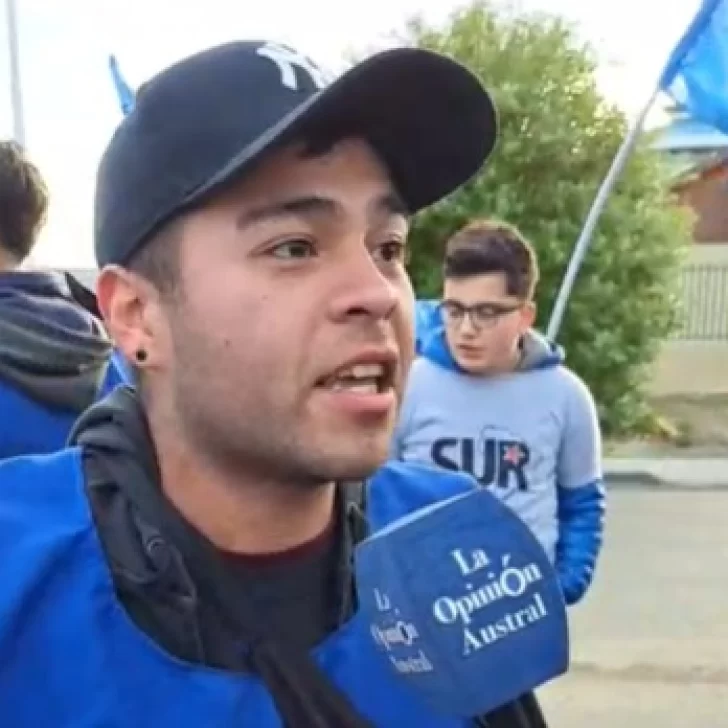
[(531, 436)]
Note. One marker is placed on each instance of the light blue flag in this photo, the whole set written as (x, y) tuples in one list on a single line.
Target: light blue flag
[(123, 90), (696, 75), (428, 320)]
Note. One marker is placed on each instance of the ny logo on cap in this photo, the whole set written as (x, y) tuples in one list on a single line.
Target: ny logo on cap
[(287, 60)]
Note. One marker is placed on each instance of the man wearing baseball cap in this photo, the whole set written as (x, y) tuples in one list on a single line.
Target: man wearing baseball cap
[(188, 561)]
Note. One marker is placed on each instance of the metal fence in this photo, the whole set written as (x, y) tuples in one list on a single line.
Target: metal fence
[(704, 293)]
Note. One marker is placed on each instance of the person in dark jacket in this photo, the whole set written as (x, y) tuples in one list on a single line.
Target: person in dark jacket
[(188, 561), (55, 358)]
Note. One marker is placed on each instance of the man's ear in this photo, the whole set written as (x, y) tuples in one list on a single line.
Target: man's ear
[(528, 316), (131, 311)]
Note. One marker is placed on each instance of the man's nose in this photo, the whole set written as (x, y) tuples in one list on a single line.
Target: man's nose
[(363, 288), (467, 327)]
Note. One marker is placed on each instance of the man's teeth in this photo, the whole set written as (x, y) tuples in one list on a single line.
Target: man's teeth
[(360, 378), (362, 386), (363, 371)]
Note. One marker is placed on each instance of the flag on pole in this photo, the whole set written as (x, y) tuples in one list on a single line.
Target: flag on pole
[(696, 75), (123, 90)]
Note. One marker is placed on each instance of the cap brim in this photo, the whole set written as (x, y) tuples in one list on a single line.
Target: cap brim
[(428, 117)]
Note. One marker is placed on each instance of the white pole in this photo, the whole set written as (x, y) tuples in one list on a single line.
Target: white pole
[(15, 85), (600, 201)]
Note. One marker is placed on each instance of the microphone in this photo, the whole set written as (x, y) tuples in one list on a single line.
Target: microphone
[(464, 604)]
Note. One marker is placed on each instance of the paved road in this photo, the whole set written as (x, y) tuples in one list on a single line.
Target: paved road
[(650, 644)]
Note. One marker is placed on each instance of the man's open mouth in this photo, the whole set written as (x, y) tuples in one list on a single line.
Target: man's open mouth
[(361, 379)]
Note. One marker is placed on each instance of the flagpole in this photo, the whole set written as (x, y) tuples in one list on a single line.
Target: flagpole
[(15, 85), (587, 233)]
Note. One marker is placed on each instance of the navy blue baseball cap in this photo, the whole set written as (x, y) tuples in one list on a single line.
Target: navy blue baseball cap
[(203, 122)]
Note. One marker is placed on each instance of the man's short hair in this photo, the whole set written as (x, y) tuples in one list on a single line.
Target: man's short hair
[(157, 261), (492, 246), (23, 201)]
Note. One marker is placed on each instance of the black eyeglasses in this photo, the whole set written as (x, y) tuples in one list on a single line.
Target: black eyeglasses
[(481, 315)]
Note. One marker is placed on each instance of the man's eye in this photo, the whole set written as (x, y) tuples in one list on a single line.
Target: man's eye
[(393, 251), (452, 310), (486, 311), (293, 250)]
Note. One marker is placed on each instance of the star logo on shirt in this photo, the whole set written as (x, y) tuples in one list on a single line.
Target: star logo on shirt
[(513, 455)]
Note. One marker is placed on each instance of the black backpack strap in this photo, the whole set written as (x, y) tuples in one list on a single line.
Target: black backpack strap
[(82, 295), (356, 529), (524, 712), (354, 494)]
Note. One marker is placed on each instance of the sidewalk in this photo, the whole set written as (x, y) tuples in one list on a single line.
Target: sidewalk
[(645, 464)]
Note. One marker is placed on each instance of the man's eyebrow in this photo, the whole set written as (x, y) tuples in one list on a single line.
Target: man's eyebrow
[(392, 204), (296, 206), (311, 205)]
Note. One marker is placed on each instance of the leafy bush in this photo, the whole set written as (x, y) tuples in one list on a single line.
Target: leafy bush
[(558, 136)]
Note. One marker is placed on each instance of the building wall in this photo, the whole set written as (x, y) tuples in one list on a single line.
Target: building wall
[(691, 368), (687, 367), (716, 253), (708, 197)]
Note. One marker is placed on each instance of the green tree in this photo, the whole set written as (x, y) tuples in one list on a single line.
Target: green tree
[(558, 136)]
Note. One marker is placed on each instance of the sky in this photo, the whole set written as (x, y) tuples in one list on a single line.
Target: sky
[(70, 106)]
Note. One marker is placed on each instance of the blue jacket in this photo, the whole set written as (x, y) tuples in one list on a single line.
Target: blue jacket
[(70, 656), (427, 321), (55, 360)]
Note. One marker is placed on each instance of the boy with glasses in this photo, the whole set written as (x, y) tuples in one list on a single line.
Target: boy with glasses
[(489, 396)]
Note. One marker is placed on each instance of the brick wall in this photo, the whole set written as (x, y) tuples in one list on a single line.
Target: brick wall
[(708, 197)]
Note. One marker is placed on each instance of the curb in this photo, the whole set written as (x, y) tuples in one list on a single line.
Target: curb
[(682, 474), (636, 477)]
